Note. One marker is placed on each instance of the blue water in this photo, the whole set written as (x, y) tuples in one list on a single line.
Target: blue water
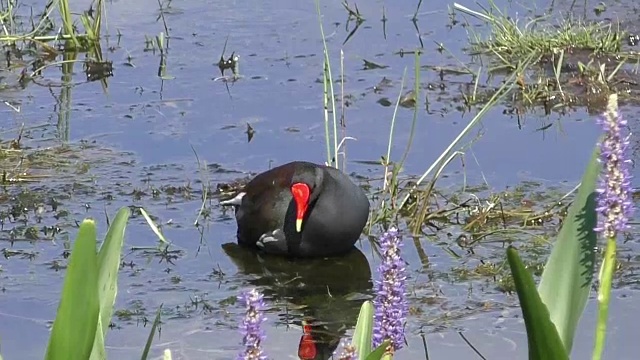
[(143, 133)]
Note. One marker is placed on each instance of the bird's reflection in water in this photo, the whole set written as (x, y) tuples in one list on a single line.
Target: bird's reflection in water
[(323, 296)]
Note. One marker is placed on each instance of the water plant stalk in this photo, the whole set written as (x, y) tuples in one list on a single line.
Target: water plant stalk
[(416, 94), (509, 83), (387, 160), (343, 122), (604, 297), (67, 21), (329, 99), (399, 165)]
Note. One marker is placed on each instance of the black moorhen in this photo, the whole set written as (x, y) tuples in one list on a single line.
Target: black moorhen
[(301, 209)]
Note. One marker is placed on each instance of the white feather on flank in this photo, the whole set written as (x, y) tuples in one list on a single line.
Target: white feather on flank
[(236, 201)]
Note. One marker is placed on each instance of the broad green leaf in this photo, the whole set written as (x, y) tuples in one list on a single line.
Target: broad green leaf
[(98, 352), (544, 342), (566, 281), (380, 351), (147, 346), (363, 331), (109, 258), (74, 328), (108, 265)]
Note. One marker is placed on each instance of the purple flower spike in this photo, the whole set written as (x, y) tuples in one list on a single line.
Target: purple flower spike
[(614, 192), (252, 334), (390, 302)]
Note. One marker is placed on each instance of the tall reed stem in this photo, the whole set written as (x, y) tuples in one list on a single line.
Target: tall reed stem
[(329, 99)]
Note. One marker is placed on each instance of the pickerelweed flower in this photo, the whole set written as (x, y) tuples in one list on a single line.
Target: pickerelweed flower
[(614, 192), (390, 302), (252, 333)]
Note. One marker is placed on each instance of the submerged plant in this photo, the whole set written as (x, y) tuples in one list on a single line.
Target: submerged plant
[(348, 352), (251, 325), (390, 302), (614, 206)]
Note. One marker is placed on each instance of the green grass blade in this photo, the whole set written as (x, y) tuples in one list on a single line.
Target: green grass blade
[(108, 267), (147, 346), (67, 21), (416, 93), (153, 226), (75, 325), (364, 330), (508, 84), (332, 151), (566, 281), (544, 342), (380, 351)]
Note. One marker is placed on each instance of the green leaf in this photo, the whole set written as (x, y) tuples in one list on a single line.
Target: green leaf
[(566, 281), (544, 342), (153, 226), (379, 352), (109, 258), (98, 352), (75, 325), (108, 265), (363, 331)]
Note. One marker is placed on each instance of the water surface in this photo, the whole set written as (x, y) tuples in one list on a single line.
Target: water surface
[(135, 146)]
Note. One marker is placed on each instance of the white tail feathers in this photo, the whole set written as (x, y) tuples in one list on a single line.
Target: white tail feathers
[(236, 201)]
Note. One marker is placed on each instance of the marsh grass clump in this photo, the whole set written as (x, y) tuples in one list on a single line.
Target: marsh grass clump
[(479, 212), (510, 41), (21, 24), (34, 40), (22, 162), (558, 65)]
